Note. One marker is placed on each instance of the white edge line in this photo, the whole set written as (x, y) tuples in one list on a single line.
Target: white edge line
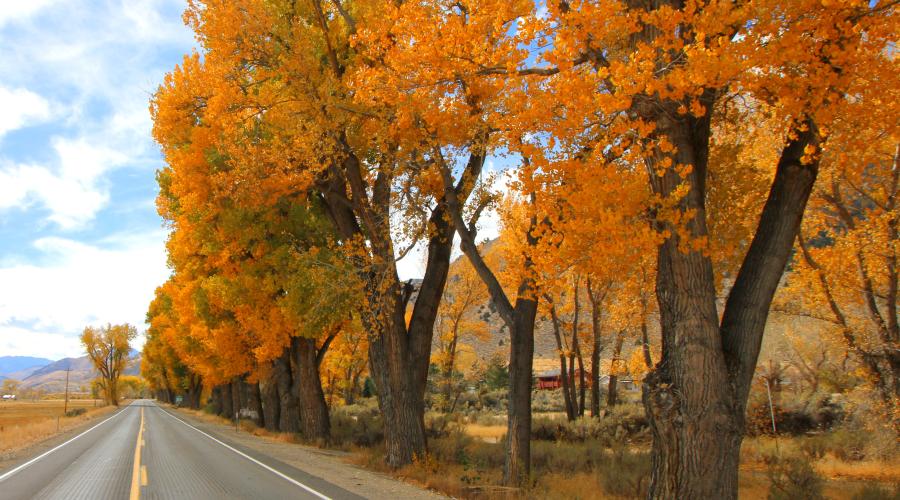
[(248, 457), (42, 455)]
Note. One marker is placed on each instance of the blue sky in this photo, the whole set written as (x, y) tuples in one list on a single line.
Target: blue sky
[(80, 240)]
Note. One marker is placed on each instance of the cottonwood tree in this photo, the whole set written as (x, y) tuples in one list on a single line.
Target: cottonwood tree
[(290, 124), (109, 347), (641, 80)]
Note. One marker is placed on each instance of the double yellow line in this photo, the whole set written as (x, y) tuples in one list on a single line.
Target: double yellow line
[(139, 472)]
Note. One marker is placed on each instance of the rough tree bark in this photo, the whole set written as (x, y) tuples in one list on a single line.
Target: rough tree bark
[(314, 418), (226, 404), (271, 401), (254, 403), (697, 395), (289, 410)]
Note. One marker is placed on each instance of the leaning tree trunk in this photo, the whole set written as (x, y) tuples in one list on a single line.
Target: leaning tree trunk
[(314, 411)]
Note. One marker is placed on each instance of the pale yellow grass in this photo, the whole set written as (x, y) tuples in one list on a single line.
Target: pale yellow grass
[(246, 426), (870, 470), (26, 422), (487, 433)]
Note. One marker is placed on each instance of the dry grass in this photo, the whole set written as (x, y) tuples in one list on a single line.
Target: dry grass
[(26, 422), (486, 433), (245, 426)]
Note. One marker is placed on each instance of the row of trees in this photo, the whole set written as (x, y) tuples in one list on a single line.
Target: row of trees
[(313, 143)]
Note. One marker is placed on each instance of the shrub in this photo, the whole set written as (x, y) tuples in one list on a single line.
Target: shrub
[(364, 429), (626, 474), (847, 444), (814, 447), (74, 412), (451, 448), (875, 492), (793, 478)]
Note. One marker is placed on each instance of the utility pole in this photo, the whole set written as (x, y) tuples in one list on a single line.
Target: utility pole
[(66, 405)]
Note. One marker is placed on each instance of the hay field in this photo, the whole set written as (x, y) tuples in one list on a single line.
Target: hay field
[(25, 422)]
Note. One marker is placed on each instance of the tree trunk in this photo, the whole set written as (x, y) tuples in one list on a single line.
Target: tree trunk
[(254, 403), (581, 381), (314, 412), (402, 410), (271, 403), (612, 392), (236, 402), (517, 468), (696, 396), (227, 401), (597, 347), (289, 410), (563, 370)]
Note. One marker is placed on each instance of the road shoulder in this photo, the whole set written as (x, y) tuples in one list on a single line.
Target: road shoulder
[(326, 464)]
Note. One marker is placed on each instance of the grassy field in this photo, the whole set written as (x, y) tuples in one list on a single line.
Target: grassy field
[(26, 422)]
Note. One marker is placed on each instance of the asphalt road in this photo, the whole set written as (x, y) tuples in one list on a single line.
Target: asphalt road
[(144, 451)]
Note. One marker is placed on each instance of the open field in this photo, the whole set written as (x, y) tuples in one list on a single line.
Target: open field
[(25, 422)]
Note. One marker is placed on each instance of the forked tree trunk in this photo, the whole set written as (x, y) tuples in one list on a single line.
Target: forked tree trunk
[(398, 354), (314, 411), (696, 396)]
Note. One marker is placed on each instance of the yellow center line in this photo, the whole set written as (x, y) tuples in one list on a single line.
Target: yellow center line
[(136, 471)]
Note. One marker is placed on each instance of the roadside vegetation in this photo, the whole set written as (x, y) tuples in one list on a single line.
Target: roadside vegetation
[(697, 241)]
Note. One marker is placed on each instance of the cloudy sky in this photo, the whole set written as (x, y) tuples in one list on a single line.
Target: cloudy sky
[(80, 241)]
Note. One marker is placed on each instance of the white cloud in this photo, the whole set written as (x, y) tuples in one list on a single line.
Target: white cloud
[(17, 341), (73, 192), (21, 108), (18, 10), (78, 285)]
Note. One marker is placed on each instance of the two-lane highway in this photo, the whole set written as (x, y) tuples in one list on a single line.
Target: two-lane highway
[(144, 451)]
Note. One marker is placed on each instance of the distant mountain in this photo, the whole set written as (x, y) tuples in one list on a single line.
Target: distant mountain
[(52, 377), (12, 364)]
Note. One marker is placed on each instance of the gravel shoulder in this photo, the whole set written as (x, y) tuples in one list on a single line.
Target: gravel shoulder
[(330, 465)]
